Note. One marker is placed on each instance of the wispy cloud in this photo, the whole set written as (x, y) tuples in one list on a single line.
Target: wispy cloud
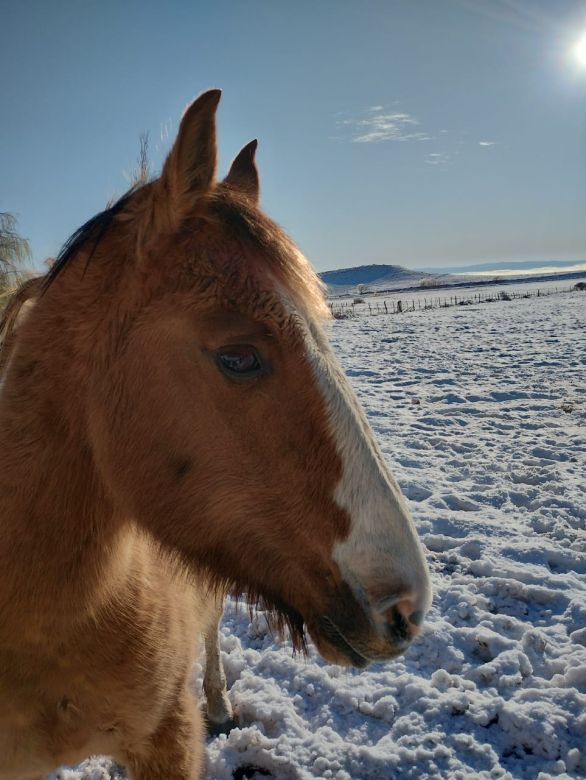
[(378, 124), (487, 143), (436, 158)]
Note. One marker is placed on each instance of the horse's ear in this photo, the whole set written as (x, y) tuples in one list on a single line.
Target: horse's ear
[(190, 168), (243, 173)]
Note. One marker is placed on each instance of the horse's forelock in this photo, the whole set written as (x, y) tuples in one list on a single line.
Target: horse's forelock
[(273, 248)]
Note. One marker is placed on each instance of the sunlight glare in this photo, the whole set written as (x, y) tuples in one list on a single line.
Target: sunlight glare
[(580, 51)]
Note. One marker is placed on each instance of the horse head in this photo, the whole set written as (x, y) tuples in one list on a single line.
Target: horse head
[(217, 414)]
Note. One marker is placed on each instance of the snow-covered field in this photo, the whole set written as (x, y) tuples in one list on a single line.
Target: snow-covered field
[(422, 296), (480, 411)]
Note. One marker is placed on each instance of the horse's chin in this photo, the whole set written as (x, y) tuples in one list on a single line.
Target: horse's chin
[(338, 656), (336, 648), (333, 646)]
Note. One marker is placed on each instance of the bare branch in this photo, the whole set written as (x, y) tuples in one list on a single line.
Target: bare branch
[(14, 252)]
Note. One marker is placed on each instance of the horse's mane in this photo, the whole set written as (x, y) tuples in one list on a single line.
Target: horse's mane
[(92, 230), (29, 289)]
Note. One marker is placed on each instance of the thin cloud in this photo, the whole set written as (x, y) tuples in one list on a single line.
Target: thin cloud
[(377, 124), (487, 143), (436, 158)]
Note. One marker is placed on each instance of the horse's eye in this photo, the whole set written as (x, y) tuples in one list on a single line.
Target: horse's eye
[(240, 362)]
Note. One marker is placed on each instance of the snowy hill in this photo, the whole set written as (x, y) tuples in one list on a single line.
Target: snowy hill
[(367, 274), (375, 277)]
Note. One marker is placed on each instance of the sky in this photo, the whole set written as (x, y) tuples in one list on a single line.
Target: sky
[(424, 133)]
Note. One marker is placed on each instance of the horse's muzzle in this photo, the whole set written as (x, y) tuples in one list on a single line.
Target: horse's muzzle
[(349, 633)]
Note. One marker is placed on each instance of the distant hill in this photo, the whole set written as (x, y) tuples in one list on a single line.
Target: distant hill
[(387, 278), (374, 276), (377, 277), (364, 274)]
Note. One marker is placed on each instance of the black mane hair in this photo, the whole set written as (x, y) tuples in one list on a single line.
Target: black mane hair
[(93, 230)]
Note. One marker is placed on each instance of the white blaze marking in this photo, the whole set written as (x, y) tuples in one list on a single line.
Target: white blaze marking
[(382, 556)]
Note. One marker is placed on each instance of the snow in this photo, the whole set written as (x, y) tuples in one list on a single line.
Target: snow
[(480, 412)]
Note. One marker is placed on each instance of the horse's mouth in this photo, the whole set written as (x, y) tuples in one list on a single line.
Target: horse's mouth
[(329, 631)]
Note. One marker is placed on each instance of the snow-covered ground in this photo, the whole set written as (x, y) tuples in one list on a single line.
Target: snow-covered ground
[(422, 296), (480, 412)]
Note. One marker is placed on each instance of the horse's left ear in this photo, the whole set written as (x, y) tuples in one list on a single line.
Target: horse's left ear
[(243, 173), (190, 168)]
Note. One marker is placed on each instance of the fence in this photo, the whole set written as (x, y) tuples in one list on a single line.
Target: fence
[(344, 310)]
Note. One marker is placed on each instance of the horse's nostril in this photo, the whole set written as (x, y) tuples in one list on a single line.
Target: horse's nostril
[(402, 621), (416, 617), (397, 627)]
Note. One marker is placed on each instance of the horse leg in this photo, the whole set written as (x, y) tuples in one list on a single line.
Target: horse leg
[(174, 751), (218, 709)]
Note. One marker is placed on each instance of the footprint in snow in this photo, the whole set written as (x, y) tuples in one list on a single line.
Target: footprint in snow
[(415, 491), (459, 504)]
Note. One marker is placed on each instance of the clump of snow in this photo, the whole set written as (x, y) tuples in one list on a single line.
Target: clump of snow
[(494, 470)]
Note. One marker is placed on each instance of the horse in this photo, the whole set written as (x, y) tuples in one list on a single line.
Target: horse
[(174, 427)]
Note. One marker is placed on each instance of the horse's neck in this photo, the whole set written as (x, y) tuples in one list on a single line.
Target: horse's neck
[(60, 542)]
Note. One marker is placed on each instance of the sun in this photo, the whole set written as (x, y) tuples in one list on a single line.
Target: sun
[(580, 51)]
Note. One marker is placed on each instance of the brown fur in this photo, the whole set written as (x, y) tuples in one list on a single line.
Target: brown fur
[(135, 477)]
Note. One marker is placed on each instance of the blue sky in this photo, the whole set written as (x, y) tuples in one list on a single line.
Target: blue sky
[(413, 132)]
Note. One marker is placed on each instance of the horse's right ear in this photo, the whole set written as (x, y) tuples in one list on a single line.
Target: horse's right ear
[(190, 168)]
